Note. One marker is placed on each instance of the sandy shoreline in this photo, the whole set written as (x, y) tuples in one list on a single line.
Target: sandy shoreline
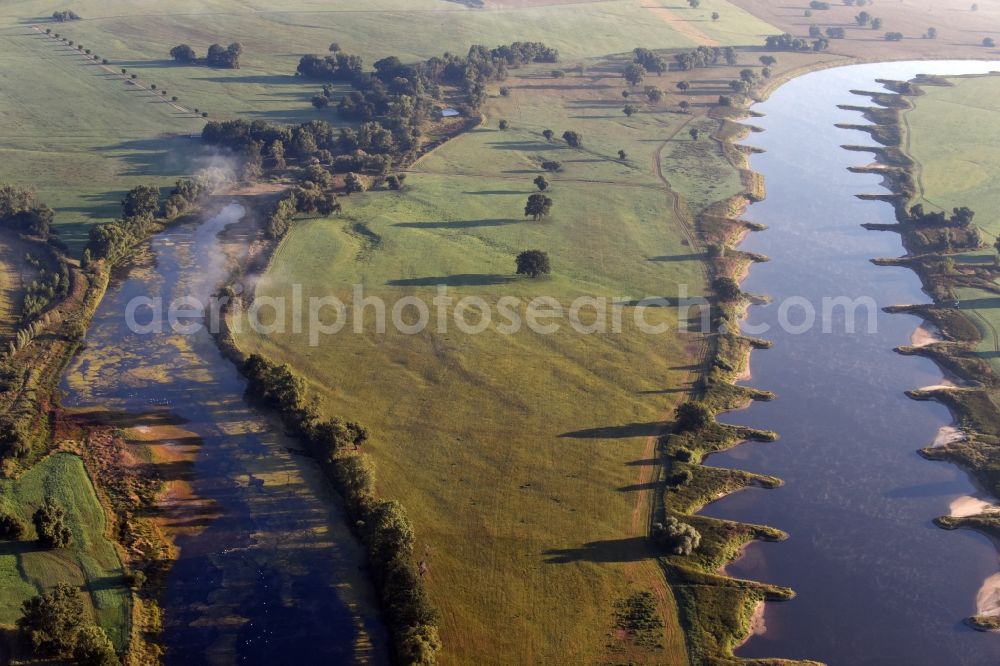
[(947, 435), (925, 334), (988, 597)]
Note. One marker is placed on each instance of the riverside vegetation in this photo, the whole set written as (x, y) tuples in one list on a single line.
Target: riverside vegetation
[(950, 253)]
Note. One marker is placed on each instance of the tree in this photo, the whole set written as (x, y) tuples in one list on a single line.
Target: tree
[(863, 19), (715, 16), (893, 36), (334, 48), (692, 416), (694, 4), (183, 54), (503, 124), (727, 288), (50, 621), (541, 183), (141, 200), (694, 133), (654, 94), (94, 648), (548, 134), (932, 33), (677, 537), (552, 166), (629, 110), (395, 182), (683, 86), (320, 102), (729, 55), (622, 155), (538, 206), (504, 91), (533, 263), (352, 183), (634, 74), (50, 524), (876, 24), (989, 42), (684, 104), (768, 61), (574, 139)]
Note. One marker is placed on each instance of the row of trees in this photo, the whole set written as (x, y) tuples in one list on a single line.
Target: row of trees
[(787, 42), (382, 525), (705, 56), (223, 57)]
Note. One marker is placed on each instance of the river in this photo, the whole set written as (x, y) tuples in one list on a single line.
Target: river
[(267, 571), (876, 581)]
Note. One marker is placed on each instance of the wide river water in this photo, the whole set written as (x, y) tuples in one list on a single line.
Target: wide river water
[(877, 583), (267, 571)]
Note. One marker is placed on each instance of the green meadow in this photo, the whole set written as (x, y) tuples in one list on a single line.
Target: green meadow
[(517, 455), (952, 133), (91, 561), (83, 136)]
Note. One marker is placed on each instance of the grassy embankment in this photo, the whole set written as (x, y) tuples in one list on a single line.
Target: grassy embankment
[(938, 134)]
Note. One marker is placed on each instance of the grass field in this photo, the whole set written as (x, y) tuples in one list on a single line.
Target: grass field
[(521, 458), (83, 136), (952, 134), (78, 135), (91, 561)]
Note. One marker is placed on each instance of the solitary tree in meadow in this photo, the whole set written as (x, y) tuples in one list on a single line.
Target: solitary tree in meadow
[(552, 166), (574, 139), (694, 133), (683, 86), (537, 207), (989, 42), (654, 94), (533, 263), (715, 16), (541, 183), (629, 110), (548, 134), (694, 4)]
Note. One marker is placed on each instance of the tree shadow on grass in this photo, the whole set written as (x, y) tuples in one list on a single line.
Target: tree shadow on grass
[(617, 432), (678, 257), (632, 549), (461, 280), (459, 224), (522, 145), (482, 192)]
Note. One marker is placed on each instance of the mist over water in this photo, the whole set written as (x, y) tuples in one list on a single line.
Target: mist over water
[(267, 570), (876, 581)]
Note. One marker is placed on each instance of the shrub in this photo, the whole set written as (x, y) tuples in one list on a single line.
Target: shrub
[(11, 529), (94, 648), (684, 454), (677, 537)]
